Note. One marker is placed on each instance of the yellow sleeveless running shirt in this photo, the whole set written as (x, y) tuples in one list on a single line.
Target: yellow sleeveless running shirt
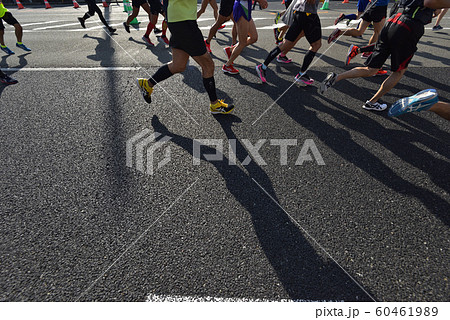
[(3, 10), (181, 10)]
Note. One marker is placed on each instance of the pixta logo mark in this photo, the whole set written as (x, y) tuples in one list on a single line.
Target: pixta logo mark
[(147, 147)]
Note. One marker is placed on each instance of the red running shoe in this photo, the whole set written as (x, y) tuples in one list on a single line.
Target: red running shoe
[(339, 19), (334, 35), (208, 47), (381, 72), (229, 69)]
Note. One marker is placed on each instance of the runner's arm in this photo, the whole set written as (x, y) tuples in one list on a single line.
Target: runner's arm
[(437, 4)]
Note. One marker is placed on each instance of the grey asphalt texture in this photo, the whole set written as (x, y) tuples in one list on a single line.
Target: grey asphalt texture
[(373, 222)]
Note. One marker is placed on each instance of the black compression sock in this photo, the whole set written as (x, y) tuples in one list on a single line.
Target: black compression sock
[(272, 55), (368, 48), (162, 74), (86, 16), (309, 56), (210, 86)]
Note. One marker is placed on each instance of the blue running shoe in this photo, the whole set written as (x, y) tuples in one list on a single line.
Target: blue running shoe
[(421, 101), (23, 47), (7, 50)]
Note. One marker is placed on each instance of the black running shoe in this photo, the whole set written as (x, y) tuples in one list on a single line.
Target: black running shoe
[(82, 22), (8, 80), (112, 30), (127, 27), (374, 106), (328, 82)]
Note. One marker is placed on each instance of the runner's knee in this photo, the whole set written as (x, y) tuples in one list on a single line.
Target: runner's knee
[(252, 40), (177, 67)]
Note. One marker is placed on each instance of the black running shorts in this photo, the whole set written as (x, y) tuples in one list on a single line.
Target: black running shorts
[(398, 38), (9, 19), (186, 36), (226, 7), (375, 14), (308, 22), (155, 7), (138, 3)]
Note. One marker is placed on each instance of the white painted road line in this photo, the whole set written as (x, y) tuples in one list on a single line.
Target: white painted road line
[(169, 298)]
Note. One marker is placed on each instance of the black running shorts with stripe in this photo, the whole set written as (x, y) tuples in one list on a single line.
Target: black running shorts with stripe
[(308, 22), (186, 36), (398, 39)]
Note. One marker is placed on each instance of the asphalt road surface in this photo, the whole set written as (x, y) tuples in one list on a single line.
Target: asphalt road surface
[(370, 222)]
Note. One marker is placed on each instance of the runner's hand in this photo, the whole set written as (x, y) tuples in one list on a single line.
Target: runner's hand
[(263, 4)]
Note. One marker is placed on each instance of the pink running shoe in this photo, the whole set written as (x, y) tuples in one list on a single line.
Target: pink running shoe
[(261, 73)]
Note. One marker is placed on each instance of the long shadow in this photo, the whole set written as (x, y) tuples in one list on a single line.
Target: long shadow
[(160, 50), (429, 82), (403, 146), (302, 272), (434, 37), (358, 155), (431, 44), (114, 133), (103, 51), (433, 57), (439, 138)]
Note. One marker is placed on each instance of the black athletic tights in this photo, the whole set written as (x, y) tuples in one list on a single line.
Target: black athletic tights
[(93, 8)]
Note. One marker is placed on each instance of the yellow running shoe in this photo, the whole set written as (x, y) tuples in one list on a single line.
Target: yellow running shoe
[(220, 107), (145, 89)]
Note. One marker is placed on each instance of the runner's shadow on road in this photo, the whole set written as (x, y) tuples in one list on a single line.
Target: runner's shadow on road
[(104, 52), (111, 108), (399, 142), (431, 44), (434, 37), (159, 50), (296, 99), (433, 57), (303, 273), (3, 64)]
